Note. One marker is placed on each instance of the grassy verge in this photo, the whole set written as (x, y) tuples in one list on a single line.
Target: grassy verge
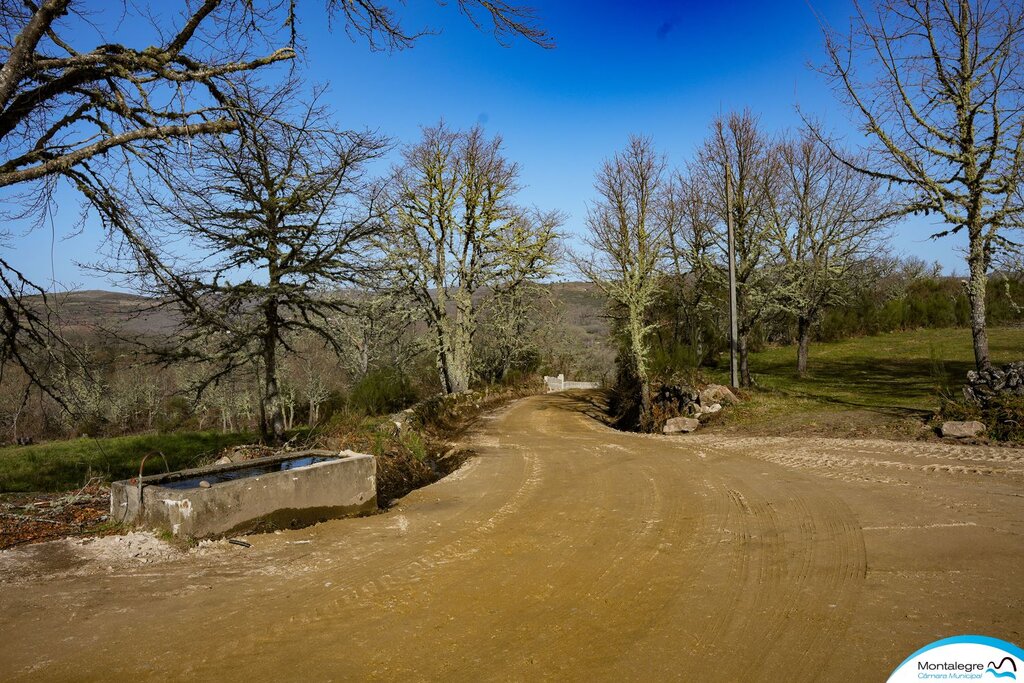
[(63, 465), (886, 385)]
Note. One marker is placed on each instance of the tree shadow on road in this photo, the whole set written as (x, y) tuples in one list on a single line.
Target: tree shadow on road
[(592, 402)]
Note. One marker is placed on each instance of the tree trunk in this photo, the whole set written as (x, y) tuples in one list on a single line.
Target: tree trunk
[(741, 346), (459, 360), (272, 427), (442, 353), (646, 409), (803, 335), (457, 345), (976, 286), (639, 352)]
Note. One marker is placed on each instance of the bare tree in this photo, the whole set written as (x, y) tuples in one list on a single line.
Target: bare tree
[(627, 244), (62, 106), (278, 211), (829, 228), (376, 330), (94, 115), (512, 319), (737, 146), (455, 232), (688, 213), (938, 87), (312, 370)]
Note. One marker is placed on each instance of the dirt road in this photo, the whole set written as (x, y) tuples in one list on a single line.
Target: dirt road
[(566, 550)]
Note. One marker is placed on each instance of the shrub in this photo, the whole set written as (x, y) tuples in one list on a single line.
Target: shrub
[(1003, 416), (382, 391)]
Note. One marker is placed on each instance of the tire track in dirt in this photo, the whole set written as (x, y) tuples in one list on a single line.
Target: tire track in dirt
[(566, 550)]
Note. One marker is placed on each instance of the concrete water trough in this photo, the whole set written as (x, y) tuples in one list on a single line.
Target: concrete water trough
[(280, 491)]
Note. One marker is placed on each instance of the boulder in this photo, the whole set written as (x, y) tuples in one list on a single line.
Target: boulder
[(678, 425), (717, 393), (962, 429), (711, 409)]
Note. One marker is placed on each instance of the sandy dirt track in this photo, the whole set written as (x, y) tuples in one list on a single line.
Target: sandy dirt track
[(569, 551)]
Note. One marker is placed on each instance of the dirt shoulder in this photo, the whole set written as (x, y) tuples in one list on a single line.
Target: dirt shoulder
[(567, 550)]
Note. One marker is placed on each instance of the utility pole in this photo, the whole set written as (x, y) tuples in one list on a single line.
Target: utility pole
[(733, 321)]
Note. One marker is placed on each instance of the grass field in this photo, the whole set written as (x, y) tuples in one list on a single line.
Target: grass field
[(61, 465), (885, 385)]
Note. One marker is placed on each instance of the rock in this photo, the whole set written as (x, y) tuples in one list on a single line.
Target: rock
[(988, 384), (962, 429), (399, 422), (711, 409), (683, 425), (717, 393), (674, 396), (223, 460), (204, 484)]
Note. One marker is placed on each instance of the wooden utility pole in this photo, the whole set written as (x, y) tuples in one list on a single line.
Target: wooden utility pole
[(733, 321)]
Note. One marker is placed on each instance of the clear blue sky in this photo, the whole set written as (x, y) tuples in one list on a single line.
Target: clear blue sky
[(662, 69)]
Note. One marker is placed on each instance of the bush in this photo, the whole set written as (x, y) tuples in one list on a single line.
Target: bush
[(1003, 416), (382, 391)]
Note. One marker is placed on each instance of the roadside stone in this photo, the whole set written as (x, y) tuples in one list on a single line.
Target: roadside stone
[(962, 429), (223, 460), (711, 409), (717, 393), (678, 425)]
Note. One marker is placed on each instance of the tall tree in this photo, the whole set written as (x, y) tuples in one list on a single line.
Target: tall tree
[(627, 244), (830, 226), (689, 215), (938, 88), (455, 233), (279, 212), (94, 113), (739, 148)]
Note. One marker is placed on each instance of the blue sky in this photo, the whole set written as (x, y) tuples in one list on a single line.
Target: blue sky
[(662, 69)]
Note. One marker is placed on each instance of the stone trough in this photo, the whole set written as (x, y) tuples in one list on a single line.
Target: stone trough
[(279, 491)]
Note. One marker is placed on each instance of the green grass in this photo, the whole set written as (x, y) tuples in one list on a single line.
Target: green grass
[(887, 382), (61, 465), (901, 370)]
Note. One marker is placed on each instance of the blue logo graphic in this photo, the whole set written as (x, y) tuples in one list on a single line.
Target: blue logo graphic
[(995, 669), (969, 657)]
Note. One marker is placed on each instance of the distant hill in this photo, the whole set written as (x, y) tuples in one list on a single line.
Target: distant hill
[(584, 306), (89, 311)]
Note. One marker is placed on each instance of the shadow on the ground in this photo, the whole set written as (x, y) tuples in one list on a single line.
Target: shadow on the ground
[(885, 385), (590, 402)]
